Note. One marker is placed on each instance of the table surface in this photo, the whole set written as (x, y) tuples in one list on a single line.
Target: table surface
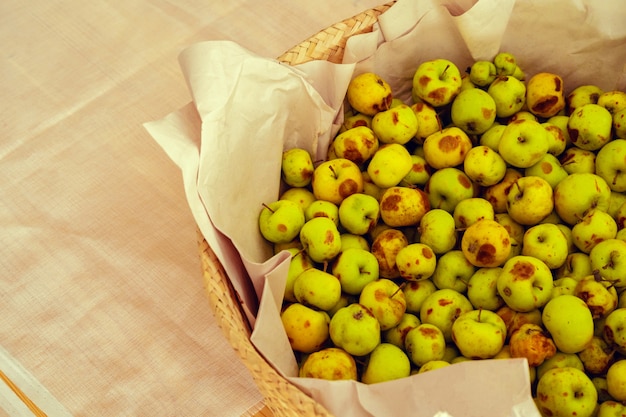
[(103, 309)]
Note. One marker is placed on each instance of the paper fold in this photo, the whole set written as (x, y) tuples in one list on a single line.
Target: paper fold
[(246, 109)]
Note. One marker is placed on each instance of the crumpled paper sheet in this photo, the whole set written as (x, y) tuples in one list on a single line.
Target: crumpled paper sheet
[(246, 109)]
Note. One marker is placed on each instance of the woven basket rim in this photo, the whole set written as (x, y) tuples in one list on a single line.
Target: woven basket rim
[(282, 398)]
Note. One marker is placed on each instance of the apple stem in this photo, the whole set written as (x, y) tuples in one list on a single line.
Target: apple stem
[(480, 310), (267, 207), (444, 72), (332, 170), (325, 266), (400, 287)]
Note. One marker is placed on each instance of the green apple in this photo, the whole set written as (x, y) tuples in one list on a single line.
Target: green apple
[(352, 119), (297, 167), (569, 321), (482, 73), (359, 213), (416, 262), (525, 283), (564, 285), (577, 265), (303, 196), (619, 124), (482, 289), (389, 165), (453, 270), (616, 201), (576, 160), (385, 300), (322, 208), (590, 127), (442, 308), (399, 124), (355, 268), (610, 408), (415, 292), (300, 262), (419, 173), (357, 144), (447, 186), (473, 111), (403, 206), (471, 210), (516, 230), (281, 221), (355, 329), (505, 63), (530, 200), (446, 148), (560, 121), (557, 142), (336, 179), (385, 248), (611, 164), (613, 100), (425, 343), (320, 239), (387, 362), (437, 229), (484, 165), (316, 288), (432, 365), (545, 94), (331, 364), (596, 356), (497, 194), (509, 94), (307, 329), (428, 121), (595, 226), (491, 137), (614, 331), (616, 380), (579, 192), (560, 360), (546, 242), (566, 392), (609, 259), (479, 334), (397, 335), (523, 143), (369, 94), (348, 240), (549, 168), (581, 95), (437, 82), (486, 243)]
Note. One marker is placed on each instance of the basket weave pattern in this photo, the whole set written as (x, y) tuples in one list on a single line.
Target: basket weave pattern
[(282, 398)]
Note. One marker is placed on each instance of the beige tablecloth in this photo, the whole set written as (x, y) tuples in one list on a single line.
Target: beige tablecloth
[(102, 303)]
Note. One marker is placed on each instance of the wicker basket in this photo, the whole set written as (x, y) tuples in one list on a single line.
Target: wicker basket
[(282, 398)]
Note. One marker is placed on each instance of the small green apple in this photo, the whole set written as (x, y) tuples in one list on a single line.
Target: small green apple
[(336, 179), (565, 392), (368, 93), (331, 364), (479, 334), (320, 239), (416, 262), (590, 127), (437, 229), (357, 144), (297, 167), (525, 283), (447, 147), (359, 213), (385, 300), (355, 268), (307, 329), (570, 322), (437, 82), (399, 124), (482, 289), (281, 221), (442, 308), (389, 165), (425, 343), (523, 143), (316, 288), (386, 362), (355, 329), (453, 270)]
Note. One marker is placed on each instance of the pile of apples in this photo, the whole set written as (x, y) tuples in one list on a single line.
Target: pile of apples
[(486, 219)]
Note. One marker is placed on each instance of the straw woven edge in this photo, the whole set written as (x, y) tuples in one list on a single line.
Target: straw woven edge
[(282, 398)]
